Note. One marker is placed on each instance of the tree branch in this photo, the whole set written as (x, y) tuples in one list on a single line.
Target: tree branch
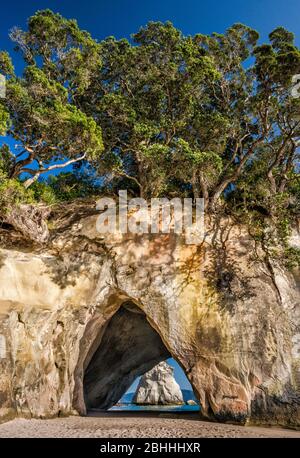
[(235, 175), (38, 172)]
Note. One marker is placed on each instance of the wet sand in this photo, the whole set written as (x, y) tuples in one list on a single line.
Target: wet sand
[(135, 424)]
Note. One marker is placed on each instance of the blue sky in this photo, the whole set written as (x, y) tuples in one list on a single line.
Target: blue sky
[(180, 375), (121, 18)]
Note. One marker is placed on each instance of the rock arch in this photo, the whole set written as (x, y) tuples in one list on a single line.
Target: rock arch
[(230, 321), (116, 351), (129, 348)]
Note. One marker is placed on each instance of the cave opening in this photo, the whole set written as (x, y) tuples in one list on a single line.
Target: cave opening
[(129, 347)]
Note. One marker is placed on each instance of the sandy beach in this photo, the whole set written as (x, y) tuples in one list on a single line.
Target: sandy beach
[(129, 425)]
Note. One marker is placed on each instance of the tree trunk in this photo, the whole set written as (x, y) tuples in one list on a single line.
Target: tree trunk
[(195, 186), (30, 220)]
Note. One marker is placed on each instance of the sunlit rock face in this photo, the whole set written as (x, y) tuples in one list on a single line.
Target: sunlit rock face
[(230, 318), (158, 386)]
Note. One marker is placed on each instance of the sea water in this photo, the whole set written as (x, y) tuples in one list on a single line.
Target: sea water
[(157, 408)]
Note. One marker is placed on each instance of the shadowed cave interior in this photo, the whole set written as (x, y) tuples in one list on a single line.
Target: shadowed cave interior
[(129, 348)]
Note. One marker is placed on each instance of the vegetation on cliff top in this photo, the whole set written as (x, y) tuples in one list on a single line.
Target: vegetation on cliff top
[(161, 115)]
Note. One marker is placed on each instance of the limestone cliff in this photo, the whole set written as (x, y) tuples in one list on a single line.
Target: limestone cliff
[(228, 316), (158, 386)]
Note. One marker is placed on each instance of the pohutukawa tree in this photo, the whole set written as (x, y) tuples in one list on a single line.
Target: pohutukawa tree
[(50, 130), (163, 114)]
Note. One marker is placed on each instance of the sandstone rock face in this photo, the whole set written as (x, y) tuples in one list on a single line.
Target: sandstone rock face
[(231, 319), (158, 386)]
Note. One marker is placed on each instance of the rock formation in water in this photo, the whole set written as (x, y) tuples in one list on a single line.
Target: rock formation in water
[(158, 386), (227, 313), (191, 402)]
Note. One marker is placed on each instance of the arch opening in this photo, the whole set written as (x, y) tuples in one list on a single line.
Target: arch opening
[(129, 347)]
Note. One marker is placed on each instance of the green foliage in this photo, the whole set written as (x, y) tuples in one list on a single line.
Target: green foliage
[(39, 110), (42, 192), (6, 66), (12, 194), (65, 187), (292, 257), (4, 120), (47, 126), (167, 115), (6, 161)]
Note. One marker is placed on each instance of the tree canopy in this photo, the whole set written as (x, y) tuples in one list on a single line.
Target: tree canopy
[(162, 114)]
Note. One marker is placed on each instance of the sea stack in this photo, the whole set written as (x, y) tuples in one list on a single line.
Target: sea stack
[(158, 386)]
